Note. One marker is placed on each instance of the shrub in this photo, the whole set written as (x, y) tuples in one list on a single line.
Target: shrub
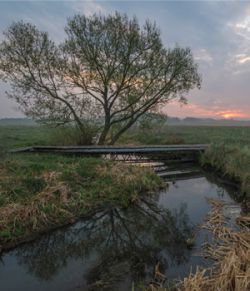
[(72, 135)]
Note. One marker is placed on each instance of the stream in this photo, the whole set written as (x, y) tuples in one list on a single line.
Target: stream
[(118, 248)]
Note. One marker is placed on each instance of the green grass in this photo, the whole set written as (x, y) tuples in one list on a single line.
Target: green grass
[(38, 192), (229, 153), (190, 134), (232, 161), (21, 136), (42, 191)]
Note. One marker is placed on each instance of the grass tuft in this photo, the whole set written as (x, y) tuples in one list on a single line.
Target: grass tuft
[(231, 161), (43, 191), (231, 253)]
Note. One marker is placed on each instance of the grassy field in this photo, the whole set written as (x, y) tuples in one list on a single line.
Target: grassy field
[(39, 192), (229, 135), (43, 192), (232, 161), (19, 136), (229, 153)]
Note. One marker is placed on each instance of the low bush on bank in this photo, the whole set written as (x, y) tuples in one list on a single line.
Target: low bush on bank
[(71, 135), (233, 161), (40, 192)]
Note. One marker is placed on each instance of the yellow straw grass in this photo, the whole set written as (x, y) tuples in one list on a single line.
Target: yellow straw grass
[(231, 252)]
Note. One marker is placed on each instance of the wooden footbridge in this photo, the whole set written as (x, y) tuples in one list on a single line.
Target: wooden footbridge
[(124, 153)]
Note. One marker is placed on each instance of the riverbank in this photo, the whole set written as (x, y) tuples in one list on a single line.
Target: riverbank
[(43, 192), (23, 181), (116, 248), (232, 162), (229, 250)]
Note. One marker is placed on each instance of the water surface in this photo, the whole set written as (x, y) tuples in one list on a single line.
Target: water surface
[(119, 247)]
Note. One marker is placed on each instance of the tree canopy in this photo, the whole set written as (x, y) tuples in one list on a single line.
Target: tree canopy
[(108, 71)]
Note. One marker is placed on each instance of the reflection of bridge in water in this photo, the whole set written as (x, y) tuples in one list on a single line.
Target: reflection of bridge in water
[(125, 153)]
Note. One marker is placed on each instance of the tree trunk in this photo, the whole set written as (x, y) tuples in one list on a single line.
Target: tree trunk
[(104, 133), (120, 132), (102, 138)]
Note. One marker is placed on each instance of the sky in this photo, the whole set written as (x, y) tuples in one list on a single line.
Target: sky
[(218, 32)]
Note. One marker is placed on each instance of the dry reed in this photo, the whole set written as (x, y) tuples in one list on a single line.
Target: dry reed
[(31, 215), (230, 251)]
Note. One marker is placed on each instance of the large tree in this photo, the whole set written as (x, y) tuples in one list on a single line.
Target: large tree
[(108, 70)]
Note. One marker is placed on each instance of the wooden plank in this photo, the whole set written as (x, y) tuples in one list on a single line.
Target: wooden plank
[(193, 146), (182, 177), (170, 174), (95, 150), (20, 150)]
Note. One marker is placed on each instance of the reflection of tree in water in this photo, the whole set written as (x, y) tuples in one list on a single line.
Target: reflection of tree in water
[(225, 186), (124, 241)]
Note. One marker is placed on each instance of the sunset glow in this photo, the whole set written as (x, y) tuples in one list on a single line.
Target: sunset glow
[(232, 115), (200, 111), (227, 116)]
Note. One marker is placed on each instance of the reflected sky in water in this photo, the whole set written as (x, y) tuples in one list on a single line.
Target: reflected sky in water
[(118, 246)]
